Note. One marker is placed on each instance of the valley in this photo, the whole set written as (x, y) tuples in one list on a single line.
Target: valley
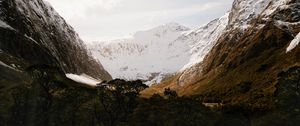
[(242, 69)]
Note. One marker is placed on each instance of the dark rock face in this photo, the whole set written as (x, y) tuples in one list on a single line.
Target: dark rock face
[(40, 36), (288, 90)]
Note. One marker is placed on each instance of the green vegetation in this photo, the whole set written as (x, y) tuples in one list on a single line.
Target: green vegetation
[(50, 101)]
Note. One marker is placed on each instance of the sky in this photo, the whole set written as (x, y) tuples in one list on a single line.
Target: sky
[(97, 20)]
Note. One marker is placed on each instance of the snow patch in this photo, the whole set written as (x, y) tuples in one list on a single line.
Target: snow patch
[(294, 43), (84, 79), (5, 25)]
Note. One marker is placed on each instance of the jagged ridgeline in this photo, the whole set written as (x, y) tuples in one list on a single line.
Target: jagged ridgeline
[(33, 32), (257, 44), (245, 72)]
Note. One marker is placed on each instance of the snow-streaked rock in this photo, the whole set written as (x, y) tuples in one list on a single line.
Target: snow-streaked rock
[(295, 42), (244, 11), (5, 25)]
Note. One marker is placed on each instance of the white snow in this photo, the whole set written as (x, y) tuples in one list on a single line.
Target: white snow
[(84, 79), (5, 25), (145, 55), (158, 52), (294, 43), (203, 39)]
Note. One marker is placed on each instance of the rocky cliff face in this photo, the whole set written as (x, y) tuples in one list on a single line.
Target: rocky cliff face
[(33, 31), (243, 65)]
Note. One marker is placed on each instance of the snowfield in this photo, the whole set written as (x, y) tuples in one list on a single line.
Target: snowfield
[(83, 79)]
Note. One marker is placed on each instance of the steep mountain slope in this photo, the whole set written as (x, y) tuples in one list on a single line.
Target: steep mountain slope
[(147, 55), (203, 39), (242, 17), (32, 32), (244, 65)]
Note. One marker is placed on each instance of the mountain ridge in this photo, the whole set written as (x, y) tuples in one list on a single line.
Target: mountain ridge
[(144, 55), (249, 55), (34, 31), (185, 46)]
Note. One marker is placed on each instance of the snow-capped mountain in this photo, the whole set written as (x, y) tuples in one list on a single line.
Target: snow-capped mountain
[(243, 16), (158, 52), (256, 50), (147, 54)]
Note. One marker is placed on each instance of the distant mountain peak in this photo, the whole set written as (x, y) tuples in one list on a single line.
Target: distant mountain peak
[(162, 30), (175, 26)]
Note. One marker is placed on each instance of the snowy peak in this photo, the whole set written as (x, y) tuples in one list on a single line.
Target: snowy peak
[(158, 52), (163, 33), (148, 54), (169, 27), (118, 48)]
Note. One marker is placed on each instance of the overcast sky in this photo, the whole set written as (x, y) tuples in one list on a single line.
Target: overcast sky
[(107, 19)]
